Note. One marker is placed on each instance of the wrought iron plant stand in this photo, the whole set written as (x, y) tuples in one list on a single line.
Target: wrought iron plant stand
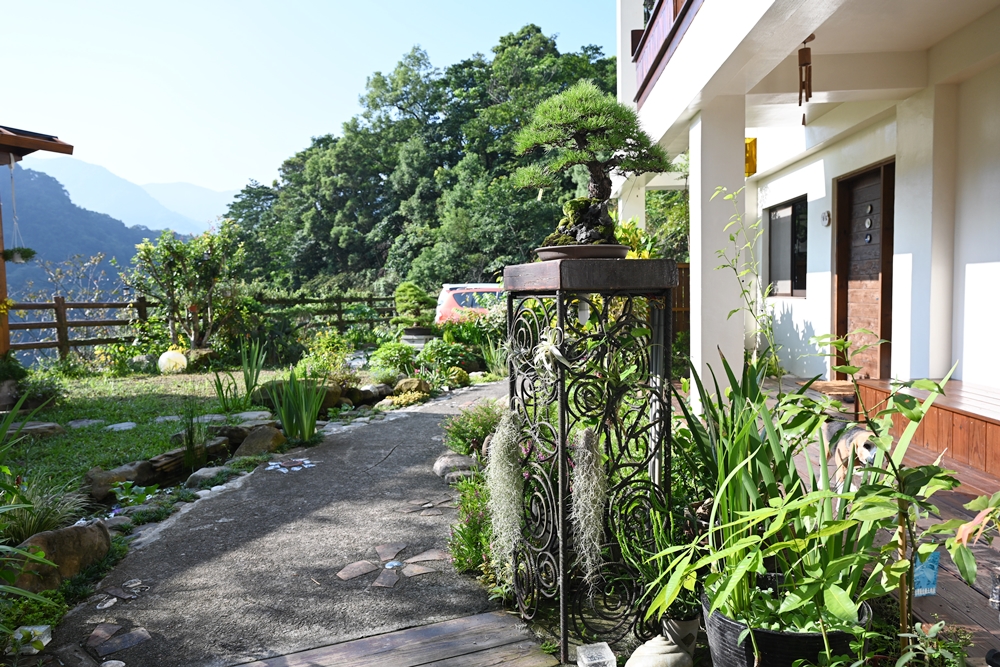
[(589, 347)]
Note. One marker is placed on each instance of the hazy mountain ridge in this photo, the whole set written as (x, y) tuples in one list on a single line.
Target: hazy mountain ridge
[(55, 227), (193, 201), (95, 188)]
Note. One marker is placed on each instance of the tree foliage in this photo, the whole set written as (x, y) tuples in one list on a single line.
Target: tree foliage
[(417, 185)]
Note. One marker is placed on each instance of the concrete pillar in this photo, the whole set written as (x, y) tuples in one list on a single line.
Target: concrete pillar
[(716, 141), (924, 238), (632, 201), (629, 18)]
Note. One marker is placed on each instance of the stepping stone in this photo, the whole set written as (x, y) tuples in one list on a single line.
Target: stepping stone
[(356, 570), (122, 642), (167, 418), (432, 512), (39, 429), (416, 570), (386, 579), (102, 633), (207, 419), (124, 426), (84, 423), (430, 554), (253, 414), (389, 551)]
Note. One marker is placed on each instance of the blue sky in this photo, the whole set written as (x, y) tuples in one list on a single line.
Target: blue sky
[(216, 92)]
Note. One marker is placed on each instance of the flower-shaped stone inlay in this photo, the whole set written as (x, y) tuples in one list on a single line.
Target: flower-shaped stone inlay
[(431, 507), (390, 566)]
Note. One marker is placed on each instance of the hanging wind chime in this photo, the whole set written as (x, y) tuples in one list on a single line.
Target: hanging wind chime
[(805, 73), (17, 254)]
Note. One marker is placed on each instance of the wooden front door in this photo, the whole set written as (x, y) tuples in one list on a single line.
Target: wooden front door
[(863, 276)]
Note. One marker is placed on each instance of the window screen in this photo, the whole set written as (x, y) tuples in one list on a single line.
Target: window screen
[(788, 242)]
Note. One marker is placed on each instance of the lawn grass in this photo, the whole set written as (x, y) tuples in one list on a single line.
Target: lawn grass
[(140, 399)]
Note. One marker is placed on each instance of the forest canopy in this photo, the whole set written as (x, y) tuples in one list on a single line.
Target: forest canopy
[(417, 186)]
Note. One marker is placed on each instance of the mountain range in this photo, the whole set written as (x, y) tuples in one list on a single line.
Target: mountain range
[(182, 207)]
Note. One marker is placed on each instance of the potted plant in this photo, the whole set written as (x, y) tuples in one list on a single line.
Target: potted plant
[(415, 309), (583, 126)]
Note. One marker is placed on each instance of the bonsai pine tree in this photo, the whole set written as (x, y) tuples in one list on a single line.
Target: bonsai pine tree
[(583, 126)]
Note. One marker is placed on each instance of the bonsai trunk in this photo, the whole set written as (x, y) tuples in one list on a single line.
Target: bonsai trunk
[(599, 187)]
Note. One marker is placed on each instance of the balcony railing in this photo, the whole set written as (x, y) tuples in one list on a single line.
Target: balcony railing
[(653, 47)]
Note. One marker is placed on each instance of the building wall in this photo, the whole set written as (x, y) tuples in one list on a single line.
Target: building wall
[(797, 319), (976, 333)]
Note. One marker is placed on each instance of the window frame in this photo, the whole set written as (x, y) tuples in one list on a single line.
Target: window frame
[(803, 202)]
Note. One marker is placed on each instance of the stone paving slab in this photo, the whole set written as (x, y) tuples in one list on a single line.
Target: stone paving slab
[(251, 573)]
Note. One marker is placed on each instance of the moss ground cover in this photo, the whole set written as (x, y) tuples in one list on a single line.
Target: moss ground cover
[(140, 399)]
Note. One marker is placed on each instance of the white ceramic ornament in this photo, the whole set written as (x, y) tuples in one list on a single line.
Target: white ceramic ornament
[(658, 652), (172, 361)]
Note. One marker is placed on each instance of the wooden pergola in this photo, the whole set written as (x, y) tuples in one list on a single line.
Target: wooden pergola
[(14, 145)]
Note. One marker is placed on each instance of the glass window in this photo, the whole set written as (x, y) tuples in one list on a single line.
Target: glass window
[(788, 242)]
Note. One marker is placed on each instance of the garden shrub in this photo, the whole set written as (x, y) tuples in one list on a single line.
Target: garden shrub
[(470, 536), (393, 357), (381, 375), (439, 354), (466, 431), (414, 306), (457, 377), (18, 611), (327, 358), (51, 506), (11, 368), (41, 387), (409, 398)]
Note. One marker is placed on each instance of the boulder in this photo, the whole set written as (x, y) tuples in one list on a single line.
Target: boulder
[(447, 463), (412, 384), (253, 414), (346, 402), (235, 434), (384, 404), (116, 522), (261, 440), (353, 394), (332, 400), (8, 394), (101, 481), (456, 476), (200, 359), (39, 429), (71, 549), (379, 391), (199, 476)]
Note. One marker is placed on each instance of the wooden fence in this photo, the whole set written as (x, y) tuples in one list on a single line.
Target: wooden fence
[(682, 299), (337, 309)]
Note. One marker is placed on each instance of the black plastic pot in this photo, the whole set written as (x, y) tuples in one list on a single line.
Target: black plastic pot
[(777, 649)]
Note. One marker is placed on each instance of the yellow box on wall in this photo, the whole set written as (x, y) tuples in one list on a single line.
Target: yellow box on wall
[(751, 156)]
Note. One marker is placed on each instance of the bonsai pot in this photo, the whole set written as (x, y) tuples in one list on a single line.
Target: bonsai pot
[(599, 251), (418, 331), (777, 649)]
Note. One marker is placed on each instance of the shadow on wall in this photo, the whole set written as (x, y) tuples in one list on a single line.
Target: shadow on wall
[(798, 356)]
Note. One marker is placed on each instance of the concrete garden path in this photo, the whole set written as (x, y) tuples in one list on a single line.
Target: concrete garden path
[(251, 572)]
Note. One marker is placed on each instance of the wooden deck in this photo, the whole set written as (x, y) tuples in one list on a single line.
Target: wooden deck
[(483, 640)]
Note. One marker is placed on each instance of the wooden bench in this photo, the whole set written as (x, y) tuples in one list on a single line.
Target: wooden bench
[(965, 421)]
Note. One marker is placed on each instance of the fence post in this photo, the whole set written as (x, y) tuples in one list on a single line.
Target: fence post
[(62, 330), (140, 308)]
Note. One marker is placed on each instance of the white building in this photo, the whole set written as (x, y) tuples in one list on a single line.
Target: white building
[(880, 196)]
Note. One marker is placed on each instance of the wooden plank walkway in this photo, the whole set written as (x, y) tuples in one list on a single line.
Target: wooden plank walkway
[(483, 640)]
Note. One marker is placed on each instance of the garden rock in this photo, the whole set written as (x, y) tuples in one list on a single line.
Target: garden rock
[(84, 423), (261, 440), (167, 418), (101, 481), (412, 384), (128, 511), (253, 414), (143, 362), (457, 476), (384, 404), (447, 463), (332, 399), (8, 394), (72, 549), (200, 359), (346, 403), (123, 426), (117, 522), (235, 434), (199, 476), (254, 423), (380, 391), (208, 419), (39, 429)]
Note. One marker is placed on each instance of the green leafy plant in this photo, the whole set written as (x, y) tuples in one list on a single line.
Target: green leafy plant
[(440, 355), (933, 646), (408, 398), (327, 358), (298, 402), (470, 536), (394, 358), (193, 438), (248, 463), (465, 432), (458, 377), (29, 611), (495, 357), (11, 368), (40, 505), (128, 494), (231, 399), (41, 387)]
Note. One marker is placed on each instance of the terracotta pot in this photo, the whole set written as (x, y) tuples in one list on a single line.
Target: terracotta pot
[(600, 251)]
